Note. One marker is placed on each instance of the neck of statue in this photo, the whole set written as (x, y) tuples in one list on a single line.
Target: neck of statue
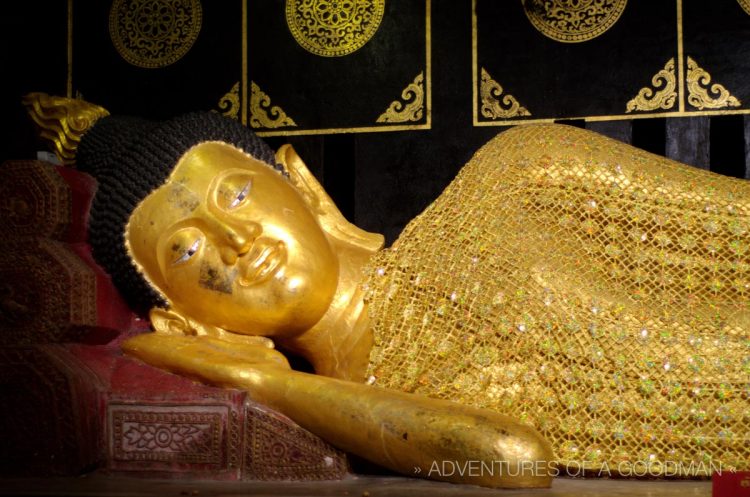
[(339, 344)]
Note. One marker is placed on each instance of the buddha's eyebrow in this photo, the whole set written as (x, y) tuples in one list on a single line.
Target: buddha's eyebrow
[(182, 198)]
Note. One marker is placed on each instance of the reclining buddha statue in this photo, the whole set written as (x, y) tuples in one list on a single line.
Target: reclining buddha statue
[(563, 281)]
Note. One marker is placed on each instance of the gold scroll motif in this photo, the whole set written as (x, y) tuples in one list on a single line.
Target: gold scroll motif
[(333, 28), (154, 33), (263, 114), (411, 108), (229, 104), (663, 95), (495, 105), (573, 21), (745, 4), (701, 95)]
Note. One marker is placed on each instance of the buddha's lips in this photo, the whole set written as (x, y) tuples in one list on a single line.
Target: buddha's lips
[(265, 258)]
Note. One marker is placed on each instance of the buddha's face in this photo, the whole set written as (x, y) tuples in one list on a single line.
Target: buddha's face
[(231, 243)]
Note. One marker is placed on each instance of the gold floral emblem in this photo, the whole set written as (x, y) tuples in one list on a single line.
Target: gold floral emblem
[(573, 21), (333, 28), (154, 33)]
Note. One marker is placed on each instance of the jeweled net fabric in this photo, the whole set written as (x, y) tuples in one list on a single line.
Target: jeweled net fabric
[(593, 290)]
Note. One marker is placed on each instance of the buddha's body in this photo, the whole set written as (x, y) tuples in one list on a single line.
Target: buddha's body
[(591, 289), (582, 286)]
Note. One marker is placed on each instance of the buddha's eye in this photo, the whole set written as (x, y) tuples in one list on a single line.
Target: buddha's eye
[(184, 255), (241, 196), (233, 191)]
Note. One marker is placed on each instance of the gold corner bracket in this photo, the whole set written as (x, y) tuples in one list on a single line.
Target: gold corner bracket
[(411, 106), (662, 94), (229, 104), (495, 105), (704, 95), (265, 115)]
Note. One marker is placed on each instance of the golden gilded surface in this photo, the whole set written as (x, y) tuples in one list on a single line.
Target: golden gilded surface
[(495, 105), (213, 241), (662, 94), (265, 115), (62, 121), (573, 21), (745, 4), (154, 33), (229, 104), (396, 430), (234, 245), (704, 95), (333, 28), (411, 106), (594, 290)]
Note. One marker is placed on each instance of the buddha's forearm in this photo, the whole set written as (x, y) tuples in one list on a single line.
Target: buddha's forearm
[(445, 440), (403, 432)]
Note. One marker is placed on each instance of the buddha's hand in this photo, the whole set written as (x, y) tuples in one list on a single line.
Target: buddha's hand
[(208, 359)]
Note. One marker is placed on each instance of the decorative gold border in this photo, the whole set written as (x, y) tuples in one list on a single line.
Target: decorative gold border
[(69, 83), (229, 104), (681, 112), (701, 91), (411, 105), (369, 129), (662, 94), (263, 114), (243, 98), (495, 104)]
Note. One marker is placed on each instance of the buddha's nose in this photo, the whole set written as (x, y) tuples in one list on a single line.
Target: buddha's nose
[(238, 242)]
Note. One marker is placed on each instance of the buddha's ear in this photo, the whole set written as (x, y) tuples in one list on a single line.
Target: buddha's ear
[(172, 322), (169, 322), (329, 216)]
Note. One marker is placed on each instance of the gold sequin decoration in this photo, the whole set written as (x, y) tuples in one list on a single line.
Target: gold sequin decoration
[(593, 290), (154, 33), (333, 28), (573, 21)]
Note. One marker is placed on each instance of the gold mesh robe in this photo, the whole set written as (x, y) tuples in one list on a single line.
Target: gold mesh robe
[(591, 289)]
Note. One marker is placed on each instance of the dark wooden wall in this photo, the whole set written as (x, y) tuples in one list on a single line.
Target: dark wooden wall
[(380, 179)]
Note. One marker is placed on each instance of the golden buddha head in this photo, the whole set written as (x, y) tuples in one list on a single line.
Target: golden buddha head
[(230, 241), (197, 214)]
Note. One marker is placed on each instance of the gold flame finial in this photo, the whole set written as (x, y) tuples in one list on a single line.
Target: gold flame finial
[(62, 121)]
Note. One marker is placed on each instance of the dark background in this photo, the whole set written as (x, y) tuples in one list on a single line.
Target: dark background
[(383, 179)]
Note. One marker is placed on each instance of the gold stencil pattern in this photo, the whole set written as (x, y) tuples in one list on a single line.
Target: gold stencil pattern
[(663, 95), (573, 21), (229, 104), (495, 105), (412, 106), (263, 114), (154, 33), (745, 4), (701, 95), (333, 28)]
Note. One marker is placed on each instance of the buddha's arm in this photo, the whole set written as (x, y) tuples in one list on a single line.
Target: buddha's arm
[(396, 430)]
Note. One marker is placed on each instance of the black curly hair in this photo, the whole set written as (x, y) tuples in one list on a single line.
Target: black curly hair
[(131, 157)]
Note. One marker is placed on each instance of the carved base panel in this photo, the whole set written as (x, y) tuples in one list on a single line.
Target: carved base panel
[(77, 408)]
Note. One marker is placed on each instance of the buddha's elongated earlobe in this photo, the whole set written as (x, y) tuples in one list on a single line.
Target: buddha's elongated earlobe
[(328, 215), (173, 322), (169, 322)]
